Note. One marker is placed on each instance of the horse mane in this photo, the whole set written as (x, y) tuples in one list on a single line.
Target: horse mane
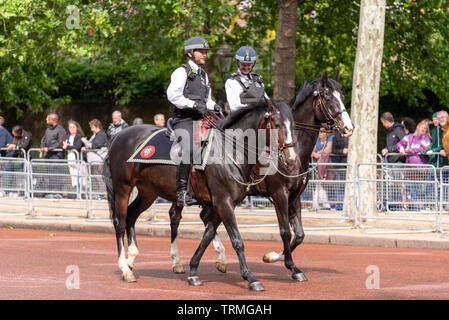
[(238, 114), (307, 88)]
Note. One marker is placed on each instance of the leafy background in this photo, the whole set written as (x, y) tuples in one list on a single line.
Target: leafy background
[(123, 53)]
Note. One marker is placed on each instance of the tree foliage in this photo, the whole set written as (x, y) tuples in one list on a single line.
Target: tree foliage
[(123, 50)]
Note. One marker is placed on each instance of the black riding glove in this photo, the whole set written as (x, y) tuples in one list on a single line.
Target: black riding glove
[(200, 107), (218, 108)]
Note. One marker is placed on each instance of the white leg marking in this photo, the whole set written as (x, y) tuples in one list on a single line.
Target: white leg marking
[(133, 252), (273, 257), (219, 249), (174, 253)]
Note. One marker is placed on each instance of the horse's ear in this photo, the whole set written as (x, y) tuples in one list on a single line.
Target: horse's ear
[(270, 105), (337, 76), (324, 78)]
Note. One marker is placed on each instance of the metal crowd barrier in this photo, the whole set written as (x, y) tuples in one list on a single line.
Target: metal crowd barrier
[(14, 186), (21, 153), (59, 185), (443, 219), (406, 197), (34, 153)]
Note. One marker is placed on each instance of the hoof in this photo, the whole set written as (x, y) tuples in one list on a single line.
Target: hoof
[(194, 281), (256, 286), (221, 266), (299, 277), (178, 269), (129, 277)]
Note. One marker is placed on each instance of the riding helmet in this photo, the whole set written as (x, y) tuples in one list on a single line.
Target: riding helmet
[(246, 55), (196, 43)]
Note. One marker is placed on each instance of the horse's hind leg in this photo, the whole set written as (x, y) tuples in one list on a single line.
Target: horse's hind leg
[(211, 228), (143, 201), (120, 220), (175, 213), (221, 263)]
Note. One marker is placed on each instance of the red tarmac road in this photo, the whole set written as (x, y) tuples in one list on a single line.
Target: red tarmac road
[(42, 265)]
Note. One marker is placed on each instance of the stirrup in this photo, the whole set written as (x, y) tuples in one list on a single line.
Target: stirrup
[(185, 199)]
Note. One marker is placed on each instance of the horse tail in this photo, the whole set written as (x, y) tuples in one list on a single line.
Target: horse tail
[(107, 178)]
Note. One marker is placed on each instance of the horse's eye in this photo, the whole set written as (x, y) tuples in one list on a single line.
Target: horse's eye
[(277, 126)]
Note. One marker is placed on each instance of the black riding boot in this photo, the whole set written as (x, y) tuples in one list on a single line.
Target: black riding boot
[(182, 180)]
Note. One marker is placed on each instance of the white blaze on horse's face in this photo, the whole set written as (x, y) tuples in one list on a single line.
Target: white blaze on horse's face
[(289, 140), (347, 123)]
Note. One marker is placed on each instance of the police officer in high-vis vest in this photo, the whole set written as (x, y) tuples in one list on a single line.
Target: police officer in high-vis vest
[(244, 87), (190, 93)]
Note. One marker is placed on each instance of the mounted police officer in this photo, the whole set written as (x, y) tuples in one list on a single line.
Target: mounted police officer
[(190, 93), (244, 87)]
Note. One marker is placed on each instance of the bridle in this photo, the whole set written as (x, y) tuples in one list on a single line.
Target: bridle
[(269, 125), (319, 105)]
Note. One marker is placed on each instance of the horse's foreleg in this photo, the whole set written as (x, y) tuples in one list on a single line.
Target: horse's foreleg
[(226, 212), (175, 218), (296, 223), (221, 263), (281, 201), (298, 230)]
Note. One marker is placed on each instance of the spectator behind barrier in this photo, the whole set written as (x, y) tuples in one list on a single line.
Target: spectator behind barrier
[(5, 137), (435, 150), (21, 140), (414, 144), (339, 148), (73, 138), (73, 142), (320, 154), (159, 120), (117, 125), (137, 121), (98, 141), (409, 125), (321, 151), (395, 132), (54, 136)]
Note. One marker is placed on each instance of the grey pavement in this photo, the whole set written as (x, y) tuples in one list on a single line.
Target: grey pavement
[(268, 232)]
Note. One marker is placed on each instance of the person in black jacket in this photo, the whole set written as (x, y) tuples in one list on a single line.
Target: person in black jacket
[(395, 133), (53, 138), (97, 146), (339, 148), (21, 141), (73, 138)]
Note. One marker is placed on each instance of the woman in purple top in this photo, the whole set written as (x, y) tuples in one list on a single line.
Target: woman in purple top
[(411, 145)]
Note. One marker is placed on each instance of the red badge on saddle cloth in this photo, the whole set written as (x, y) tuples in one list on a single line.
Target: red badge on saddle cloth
[(147, 152), (202, 132)]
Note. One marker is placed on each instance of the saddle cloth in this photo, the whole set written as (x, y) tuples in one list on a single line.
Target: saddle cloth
[(158, 148)]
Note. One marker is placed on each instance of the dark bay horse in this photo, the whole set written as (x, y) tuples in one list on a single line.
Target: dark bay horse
[(318, 103), (217, 184)]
